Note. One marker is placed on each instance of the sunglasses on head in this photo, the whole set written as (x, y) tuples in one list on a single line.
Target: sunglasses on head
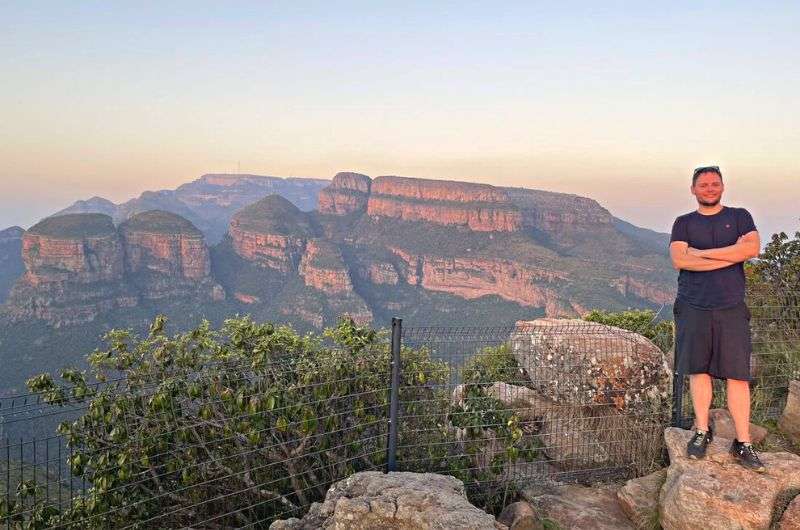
[(714, 169)]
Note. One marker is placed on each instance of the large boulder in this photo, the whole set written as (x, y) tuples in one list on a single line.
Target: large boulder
[(790, 420), (718, 493), (372, 500), (583, 363)]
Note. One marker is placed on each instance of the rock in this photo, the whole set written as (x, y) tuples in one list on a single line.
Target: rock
[(404, 501), (480, 207), (166, 257), (723, 426), (580, 508), (718, 493), (271, 233), (639, 498), (520, 516), (74, 271), (789, 422), (583, 363), (323, 268), (347, 193), (790, 520)]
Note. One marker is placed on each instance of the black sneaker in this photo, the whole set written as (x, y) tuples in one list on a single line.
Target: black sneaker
[(746, 455), (697, 445)]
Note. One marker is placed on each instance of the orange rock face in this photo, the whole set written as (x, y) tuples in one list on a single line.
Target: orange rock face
[(83, 260), (322, 268), (180, 255), (437, 190), (632, 286), (489, 218), (347, 193), (278, 252), (472, 278)]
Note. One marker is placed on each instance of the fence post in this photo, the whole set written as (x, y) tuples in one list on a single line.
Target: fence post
[(394, 399), (677, 386)]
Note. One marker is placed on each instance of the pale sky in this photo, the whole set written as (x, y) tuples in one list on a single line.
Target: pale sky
[(617, 101)]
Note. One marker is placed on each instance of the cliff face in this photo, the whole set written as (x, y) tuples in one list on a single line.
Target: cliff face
[(323, 268), (74, 271), (472, 278), (479, 207), (11, 265), (272, 233), (166, 256), (347, 193), (79, 266)]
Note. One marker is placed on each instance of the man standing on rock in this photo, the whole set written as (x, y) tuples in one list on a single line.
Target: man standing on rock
[(709, 246)]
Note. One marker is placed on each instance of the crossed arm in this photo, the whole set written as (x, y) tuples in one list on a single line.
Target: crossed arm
[(685, 257)]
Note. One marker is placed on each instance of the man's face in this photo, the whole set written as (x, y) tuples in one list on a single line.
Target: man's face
[(708, 189)]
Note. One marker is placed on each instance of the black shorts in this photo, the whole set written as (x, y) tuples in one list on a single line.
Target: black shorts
[(715, 341)]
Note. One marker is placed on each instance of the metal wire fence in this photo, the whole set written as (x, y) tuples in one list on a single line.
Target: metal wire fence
[(243, 441)]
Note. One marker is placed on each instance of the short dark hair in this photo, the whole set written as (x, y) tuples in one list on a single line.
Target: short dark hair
[(705, 169)]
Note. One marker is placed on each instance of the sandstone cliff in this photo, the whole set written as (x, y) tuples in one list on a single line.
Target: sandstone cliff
[(271, 233), (166, 256), (79, 266), (74, 271), (347, 193), (11, 265)]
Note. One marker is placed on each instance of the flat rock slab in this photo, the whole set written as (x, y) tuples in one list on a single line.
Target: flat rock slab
[(580, 508)]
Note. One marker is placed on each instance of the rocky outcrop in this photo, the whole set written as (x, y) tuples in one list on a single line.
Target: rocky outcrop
[(165, 243), (79, 266), (479, 207), (790, 519), (716, 493), (74, 271), (11, 265), (167, 257), (633, 287), (472, 278), (323, 268), (347, 193), (372, 500), (584, 363), (271, 233)]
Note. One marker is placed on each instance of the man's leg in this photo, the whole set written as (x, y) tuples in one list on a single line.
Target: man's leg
[(739, 406), (701, 391)]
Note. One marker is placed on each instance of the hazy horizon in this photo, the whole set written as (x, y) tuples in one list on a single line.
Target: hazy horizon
[(615, 102)]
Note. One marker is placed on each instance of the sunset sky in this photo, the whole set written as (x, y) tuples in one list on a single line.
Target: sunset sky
[(617, 101)]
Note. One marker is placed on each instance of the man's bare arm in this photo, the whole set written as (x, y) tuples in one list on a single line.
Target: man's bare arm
[(746, 247), (681, 259)]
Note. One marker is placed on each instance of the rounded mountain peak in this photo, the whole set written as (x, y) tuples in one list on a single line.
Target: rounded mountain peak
[(160, 222), (273, 215), (74, 226)]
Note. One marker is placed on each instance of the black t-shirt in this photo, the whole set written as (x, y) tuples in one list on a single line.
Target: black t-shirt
[(722, 287)]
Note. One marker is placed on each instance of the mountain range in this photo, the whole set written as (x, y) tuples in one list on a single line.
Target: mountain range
[(305, 251)]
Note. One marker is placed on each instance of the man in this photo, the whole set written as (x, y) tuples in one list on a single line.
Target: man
[(709, 246)]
